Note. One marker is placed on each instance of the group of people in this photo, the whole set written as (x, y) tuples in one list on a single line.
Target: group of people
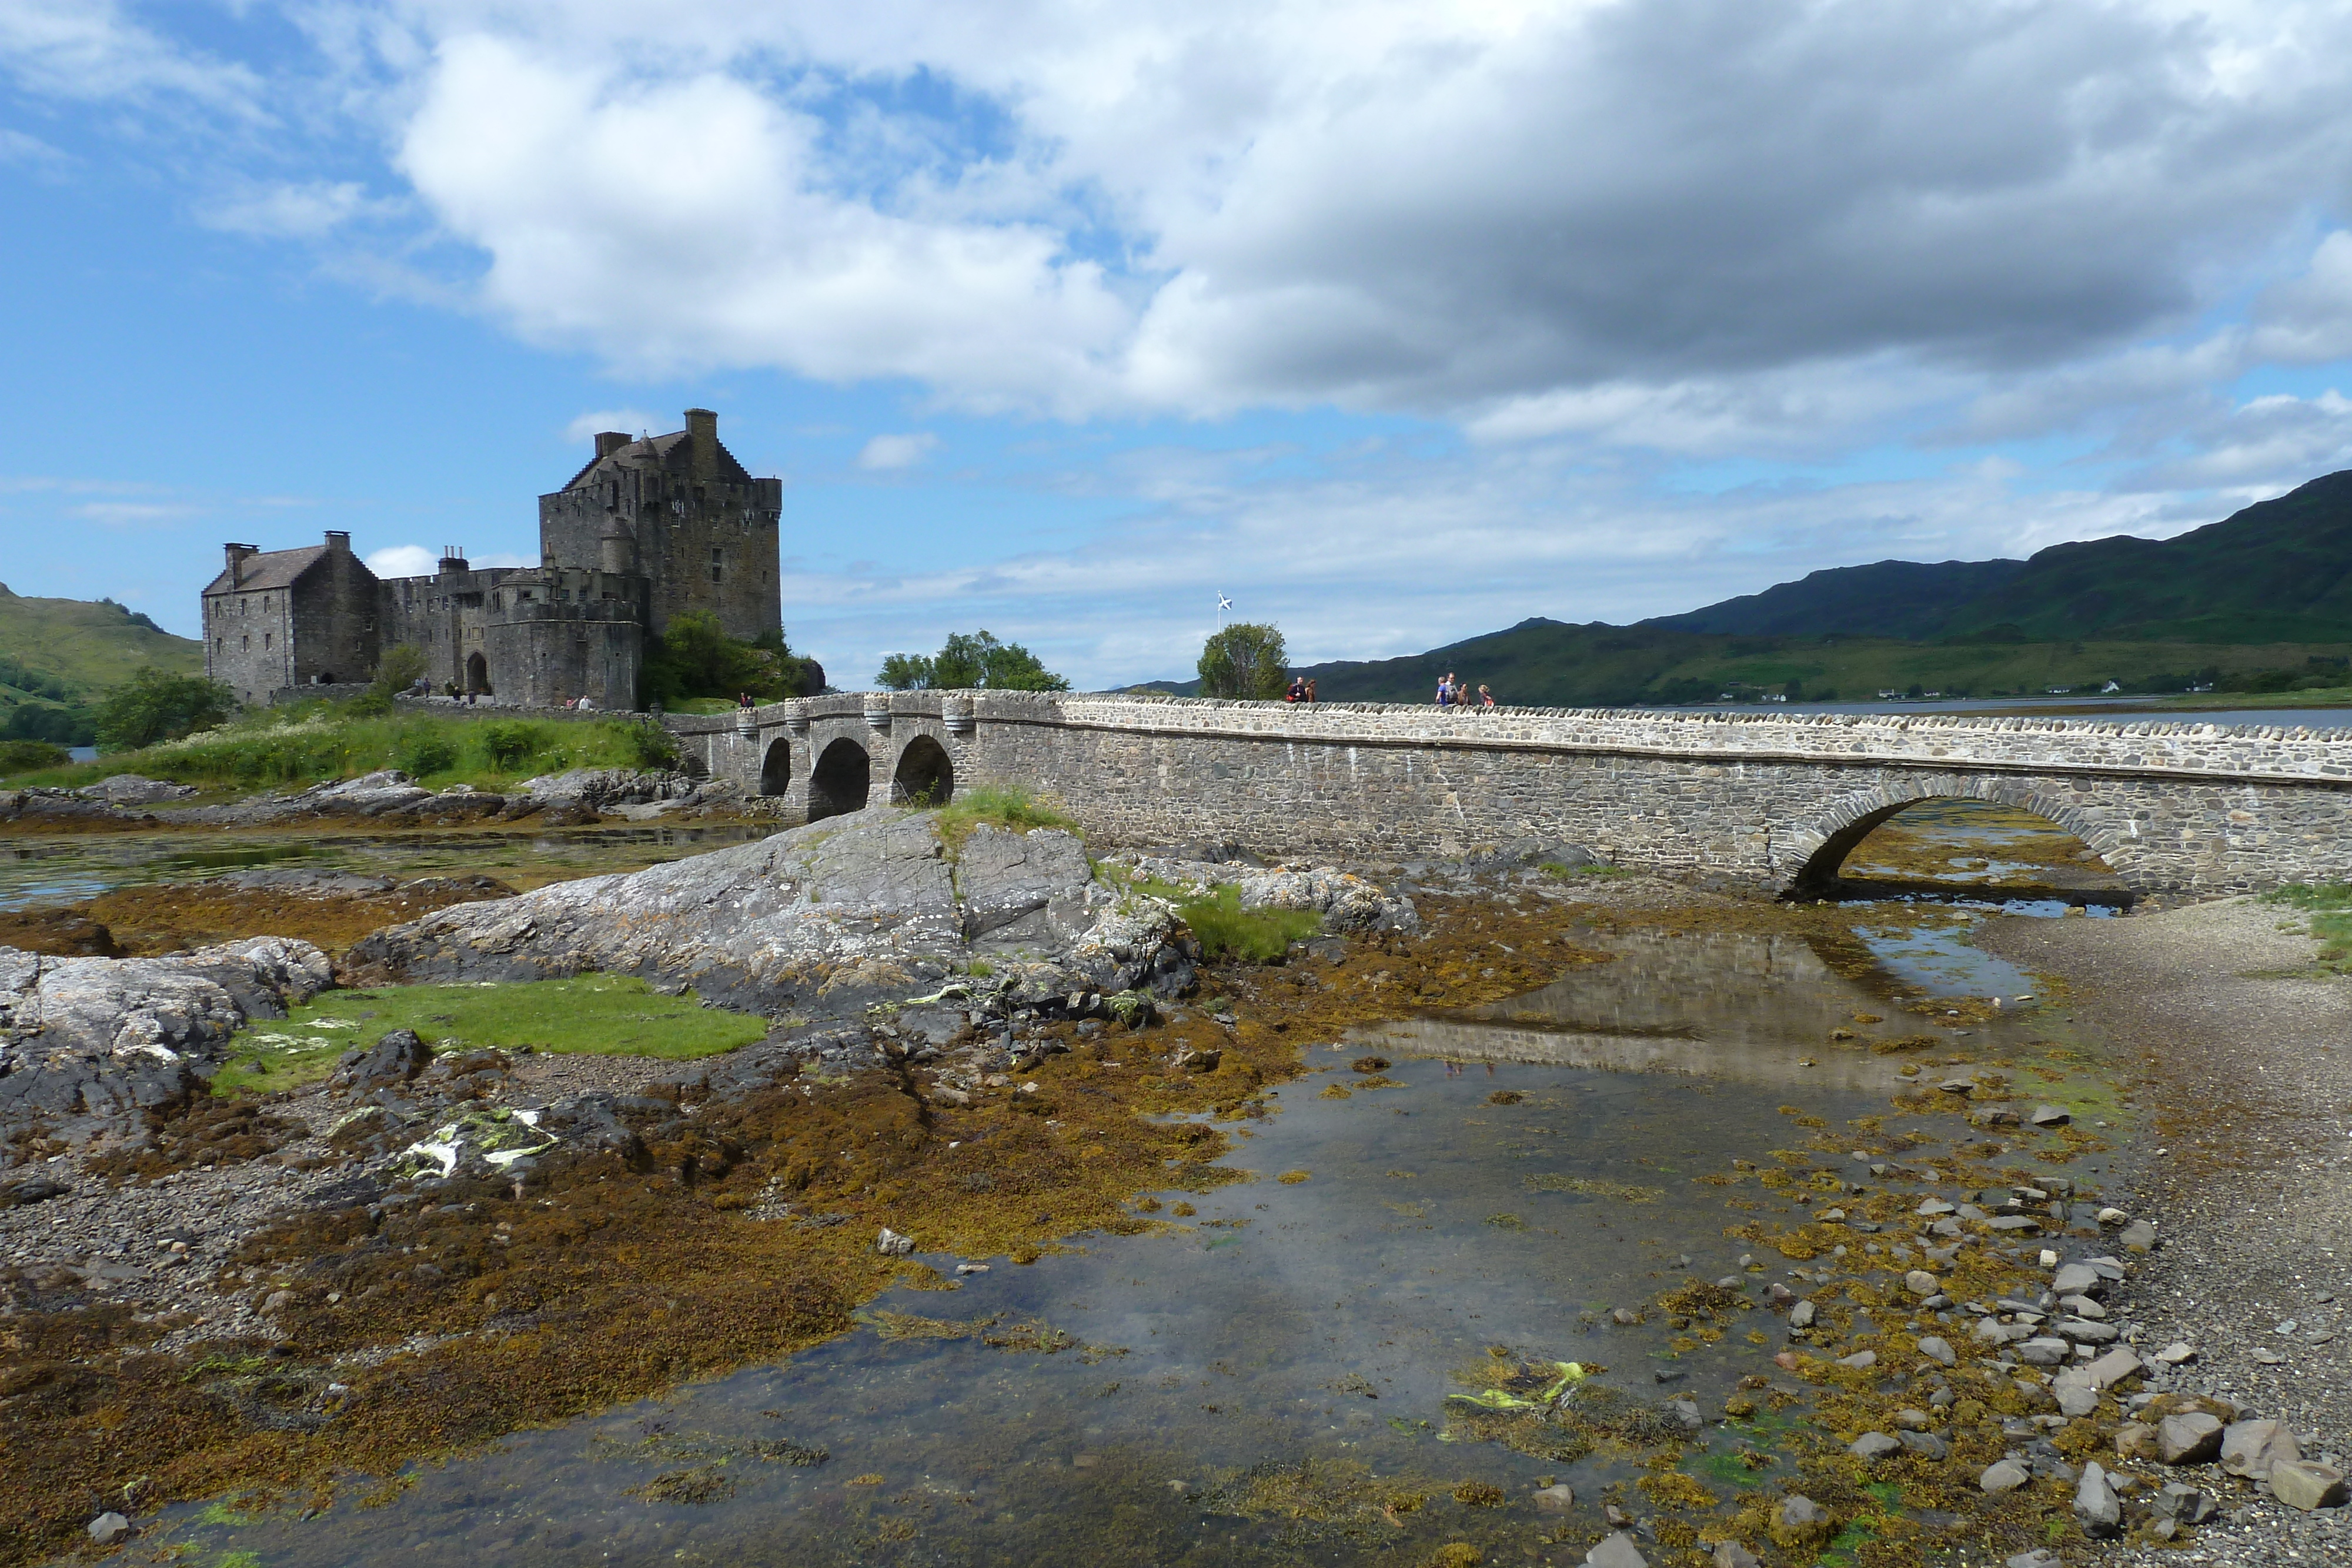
[(1302, 690), (1453, 692)]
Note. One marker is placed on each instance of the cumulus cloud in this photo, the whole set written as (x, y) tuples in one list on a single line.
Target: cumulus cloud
[(628, 421), (403, 560), (884, 453)]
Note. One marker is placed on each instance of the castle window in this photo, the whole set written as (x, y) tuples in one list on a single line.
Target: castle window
[(245, 645), (265, 642), (717, 563)]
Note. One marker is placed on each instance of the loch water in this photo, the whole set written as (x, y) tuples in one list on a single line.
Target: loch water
[(1246, 1384)]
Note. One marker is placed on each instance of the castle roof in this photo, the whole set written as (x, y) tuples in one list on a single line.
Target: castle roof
[(269, 569), (672, 453)]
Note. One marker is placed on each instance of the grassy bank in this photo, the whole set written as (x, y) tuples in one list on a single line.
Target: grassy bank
[(2329, 906), (595, 1015), (321, 742)]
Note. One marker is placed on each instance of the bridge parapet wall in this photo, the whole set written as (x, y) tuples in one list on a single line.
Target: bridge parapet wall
[(2170, 804)]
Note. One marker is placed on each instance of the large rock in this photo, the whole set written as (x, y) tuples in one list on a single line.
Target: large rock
[(130, 790), (2307, 1484), (1346, 901), (103, 1036), (848, 906), (2095, 1503), (2252, 1447), (1616, 1551), (2187, 1439)]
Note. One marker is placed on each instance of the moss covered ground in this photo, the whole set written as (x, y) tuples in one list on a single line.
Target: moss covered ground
[(599, 1015)]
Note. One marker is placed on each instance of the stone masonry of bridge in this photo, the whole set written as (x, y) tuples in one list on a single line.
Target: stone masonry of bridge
[(1778, 800)]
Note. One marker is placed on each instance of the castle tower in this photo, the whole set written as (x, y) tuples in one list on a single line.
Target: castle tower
[(700, 531)]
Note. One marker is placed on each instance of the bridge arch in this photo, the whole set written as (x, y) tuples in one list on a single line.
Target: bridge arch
[(1818, 845), (924, 776), (776, 767), (839, 782)]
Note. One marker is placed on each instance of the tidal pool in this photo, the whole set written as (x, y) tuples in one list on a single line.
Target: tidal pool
[(65, 868), (1267, 1379)]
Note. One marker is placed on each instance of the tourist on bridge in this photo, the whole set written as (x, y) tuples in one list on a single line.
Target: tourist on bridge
[(1298, 691)]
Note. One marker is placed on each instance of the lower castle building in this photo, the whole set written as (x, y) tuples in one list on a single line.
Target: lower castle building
[(649, 530)]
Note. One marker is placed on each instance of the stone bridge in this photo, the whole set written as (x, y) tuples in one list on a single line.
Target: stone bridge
[(2171, 807)]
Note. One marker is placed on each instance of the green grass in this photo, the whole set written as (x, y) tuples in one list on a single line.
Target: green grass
[(2329, 905), (318, 742), (594, 1015), (1570, 873), (701, 706), (1007, 806), (1226, 930)]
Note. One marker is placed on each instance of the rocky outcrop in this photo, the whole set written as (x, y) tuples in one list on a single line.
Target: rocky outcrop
[(1345, 901), (388, 796), (86, 1038), (846, 908)]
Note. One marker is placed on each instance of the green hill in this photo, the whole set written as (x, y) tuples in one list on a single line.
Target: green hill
[(2278, 572), (57, 657), (1548, 663)]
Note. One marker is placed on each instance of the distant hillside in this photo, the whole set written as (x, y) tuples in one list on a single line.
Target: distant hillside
[(1548, 663), (2278, 572), (59, 655), (1904, 599)]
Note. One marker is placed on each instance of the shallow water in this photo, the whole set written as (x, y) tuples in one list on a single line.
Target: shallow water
[(1313, 1322), (65, 868)]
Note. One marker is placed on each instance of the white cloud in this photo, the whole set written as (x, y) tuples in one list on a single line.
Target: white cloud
[(403, 560), (883, 453), (310, 210), (628, 421), (32, 152), (120, 514), (92, 49)]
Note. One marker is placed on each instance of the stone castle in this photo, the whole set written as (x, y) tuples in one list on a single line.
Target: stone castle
[(649, 530)]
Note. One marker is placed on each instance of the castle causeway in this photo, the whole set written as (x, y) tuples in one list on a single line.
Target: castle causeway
[(2171, 807)]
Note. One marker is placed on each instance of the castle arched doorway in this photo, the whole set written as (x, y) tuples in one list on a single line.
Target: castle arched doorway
[(478, 672), (924, 777), (776, 767), (838, 785)]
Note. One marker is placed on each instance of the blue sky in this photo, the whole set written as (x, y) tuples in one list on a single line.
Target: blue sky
[(1395, 322)]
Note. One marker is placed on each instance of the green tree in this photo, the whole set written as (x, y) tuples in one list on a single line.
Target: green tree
[(970, 661), (401, 666), (153, 707), (696, 658), (1244, 660)]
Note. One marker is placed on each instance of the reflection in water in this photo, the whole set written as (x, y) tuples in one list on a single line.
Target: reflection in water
[(1313, 1322), (65, 868), (1976, 846)]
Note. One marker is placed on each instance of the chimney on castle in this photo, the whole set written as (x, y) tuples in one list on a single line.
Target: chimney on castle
[(453, 558), (237, 554), (703, 426), (611, 440), (341, 543)]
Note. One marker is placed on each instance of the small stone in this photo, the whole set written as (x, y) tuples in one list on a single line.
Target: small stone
[(1616, 1551), (2040, 1557), (1778, 1294), (2044, 1351), (1933, 1208), (1912, 1420), (1875, 1445), (1685, 1413), (1936, 1348), (109, 1528), (2112, 1368), (1625, 1317), (2252, 1447), (2111, 1217), (2051, 1116), (971, 1268), (2139, 1236), (2267, 1356), (2190, 1439), (2095, 1503), (2136, 1440), (1926, 1444), (1731, 1555), (279, 1302), (2003, 1476), (1859, 1359), (1920, 1282), (2077, 1279), (2076, 1399), (1555, 1499), (1800, 1316), (1798, 1523), (2187, 1504), (2307, 1484), (893, 1245)]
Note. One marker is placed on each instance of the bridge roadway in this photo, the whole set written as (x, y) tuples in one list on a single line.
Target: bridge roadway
[(1777, 798)]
